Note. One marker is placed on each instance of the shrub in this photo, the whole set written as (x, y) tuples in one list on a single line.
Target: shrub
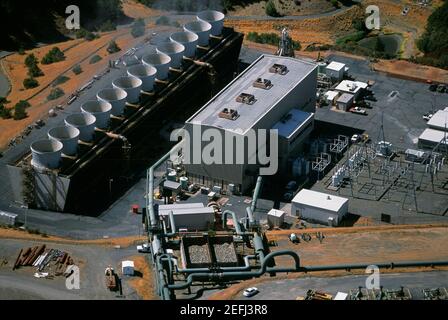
[(113, 47), (271, 10), (77, 69), (95, 59), (108, 26), (5, 113), (138, 28), (269, 38), (163, 21), (55, 94), (54, 55), (30, 83), (335, 3), (60, 80)]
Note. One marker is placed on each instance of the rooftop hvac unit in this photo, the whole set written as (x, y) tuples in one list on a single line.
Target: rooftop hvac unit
[(278, 68), (229, 114), (262, 83), (246, 98)]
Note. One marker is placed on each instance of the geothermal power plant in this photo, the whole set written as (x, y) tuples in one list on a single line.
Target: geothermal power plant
[(102, 150)]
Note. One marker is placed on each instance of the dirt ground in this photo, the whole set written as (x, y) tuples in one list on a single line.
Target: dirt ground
[(284, 7), (134, 9), (23, 235), (357, 245), (143, 283)]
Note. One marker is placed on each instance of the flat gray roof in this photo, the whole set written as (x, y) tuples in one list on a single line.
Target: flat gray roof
[(439, 120), (294, 120), (249, 115)]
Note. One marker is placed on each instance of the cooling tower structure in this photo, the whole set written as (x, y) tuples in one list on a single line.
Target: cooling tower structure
[(132, 86), (161, 62), (68, 136), (101, 110), (174, 50), (202, 29), (215, 18), (146, 73), (188, 39), (85, 123), (116, 97), (46, 154)]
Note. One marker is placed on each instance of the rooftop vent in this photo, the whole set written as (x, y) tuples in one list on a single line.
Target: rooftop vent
[(262, 83), (229, 114), (278, 68), (246, 98)]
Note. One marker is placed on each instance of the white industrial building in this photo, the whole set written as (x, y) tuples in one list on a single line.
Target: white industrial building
[(439, 120), (352, 87), (273, 92), (319, 207), (190, 216), (331, 96), (345, 101), (276, 218), (335, 70), (430, 138)]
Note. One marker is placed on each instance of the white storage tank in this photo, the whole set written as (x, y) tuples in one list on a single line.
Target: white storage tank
[(174, 50), (116, 97), (146, 73), (101, 110), (46, 154), (68, 136), (161, 62), (188, 39), (215, 18), (85, 123), (202, 29), (132, 86)]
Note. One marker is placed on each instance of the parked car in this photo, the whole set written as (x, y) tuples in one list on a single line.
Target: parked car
[(433, 87), (358, 110), (427, 116), (250, 292), (144, 248), (291, 186), (355, 138)]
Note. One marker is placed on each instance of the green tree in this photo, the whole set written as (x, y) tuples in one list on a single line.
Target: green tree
[(20, 111), (55, 94), (379, 45), (271, 10), (31, 60), (54, 55), (30, 83)]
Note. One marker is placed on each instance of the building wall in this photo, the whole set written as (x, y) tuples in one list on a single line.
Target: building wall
[(200, 222), (302, 97), (336, 75), (318, 215)]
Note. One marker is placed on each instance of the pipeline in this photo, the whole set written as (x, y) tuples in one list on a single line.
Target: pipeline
[(238, 230), (241, 274), (257, 190)]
